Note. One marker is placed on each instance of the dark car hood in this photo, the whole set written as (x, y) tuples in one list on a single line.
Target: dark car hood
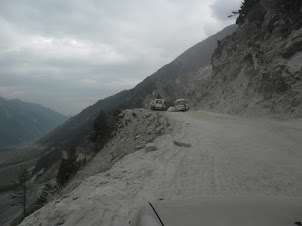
[(261, 211)]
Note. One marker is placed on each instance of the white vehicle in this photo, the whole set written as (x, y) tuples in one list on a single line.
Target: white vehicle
[(181, 105), (171, 109), (158, 104)]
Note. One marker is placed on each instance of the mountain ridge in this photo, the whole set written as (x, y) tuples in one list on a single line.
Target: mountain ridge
[(198, 56), (23, 122)]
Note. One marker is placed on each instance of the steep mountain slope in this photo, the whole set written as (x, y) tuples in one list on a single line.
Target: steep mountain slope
[(258, 69), (169, 81), (22, 122)]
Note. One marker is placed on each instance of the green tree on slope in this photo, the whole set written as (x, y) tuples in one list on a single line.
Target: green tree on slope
[(101, 129), (68, 167), (20, 194)]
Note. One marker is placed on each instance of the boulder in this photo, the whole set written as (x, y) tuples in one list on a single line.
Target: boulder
[(159, 129), (148, 114), (139, 146), (182, 144), (150, 129), (150, 147)]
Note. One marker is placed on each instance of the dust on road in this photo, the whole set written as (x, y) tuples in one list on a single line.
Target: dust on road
[(228, 156)]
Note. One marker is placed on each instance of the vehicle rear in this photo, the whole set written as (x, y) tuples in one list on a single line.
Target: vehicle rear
[(158, 104), (181, 105)]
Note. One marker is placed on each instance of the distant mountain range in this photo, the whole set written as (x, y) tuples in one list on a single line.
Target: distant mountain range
[(166, 82), (22, 123)]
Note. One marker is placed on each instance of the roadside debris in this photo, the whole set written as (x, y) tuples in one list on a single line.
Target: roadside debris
[(182, 144), (150, 147)]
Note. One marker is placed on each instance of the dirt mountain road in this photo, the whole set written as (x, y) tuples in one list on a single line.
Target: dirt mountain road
[(228, 156), (236, 156)]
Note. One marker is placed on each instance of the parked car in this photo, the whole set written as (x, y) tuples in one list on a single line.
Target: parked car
[(171, 109), (158, 104), (181, 105)]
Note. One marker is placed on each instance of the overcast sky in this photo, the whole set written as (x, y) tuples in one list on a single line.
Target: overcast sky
[(67, 54)]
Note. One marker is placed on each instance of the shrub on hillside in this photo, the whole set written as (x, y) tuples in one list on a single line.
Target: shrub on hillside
[(47, 191), (101, 130), (116, 112), (68, 167), (47, 160), (245, 7)]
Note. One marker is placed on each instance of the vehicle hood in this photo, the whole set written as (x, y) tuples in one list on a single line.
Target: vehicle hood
[(229, 212)]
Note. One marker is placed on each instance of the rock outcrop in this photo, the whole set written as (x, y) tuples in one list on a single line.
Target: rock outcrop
[(150, 147), (257, 70)]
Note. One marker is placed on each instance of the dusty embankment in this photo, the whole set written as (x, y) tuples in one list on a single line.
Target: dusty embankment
[(228, 156)]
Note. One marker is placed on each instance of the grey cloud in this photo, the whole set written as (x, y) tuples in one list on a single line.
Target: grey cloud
[(68, 54), (223, 8)]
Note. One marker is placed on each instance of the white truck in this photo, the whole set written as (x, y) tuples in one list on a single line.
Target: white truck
[(158, 104)]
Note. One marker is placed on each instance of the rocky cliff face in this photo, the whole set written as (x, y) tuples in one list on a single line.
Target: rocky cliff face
[(258, 70)]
